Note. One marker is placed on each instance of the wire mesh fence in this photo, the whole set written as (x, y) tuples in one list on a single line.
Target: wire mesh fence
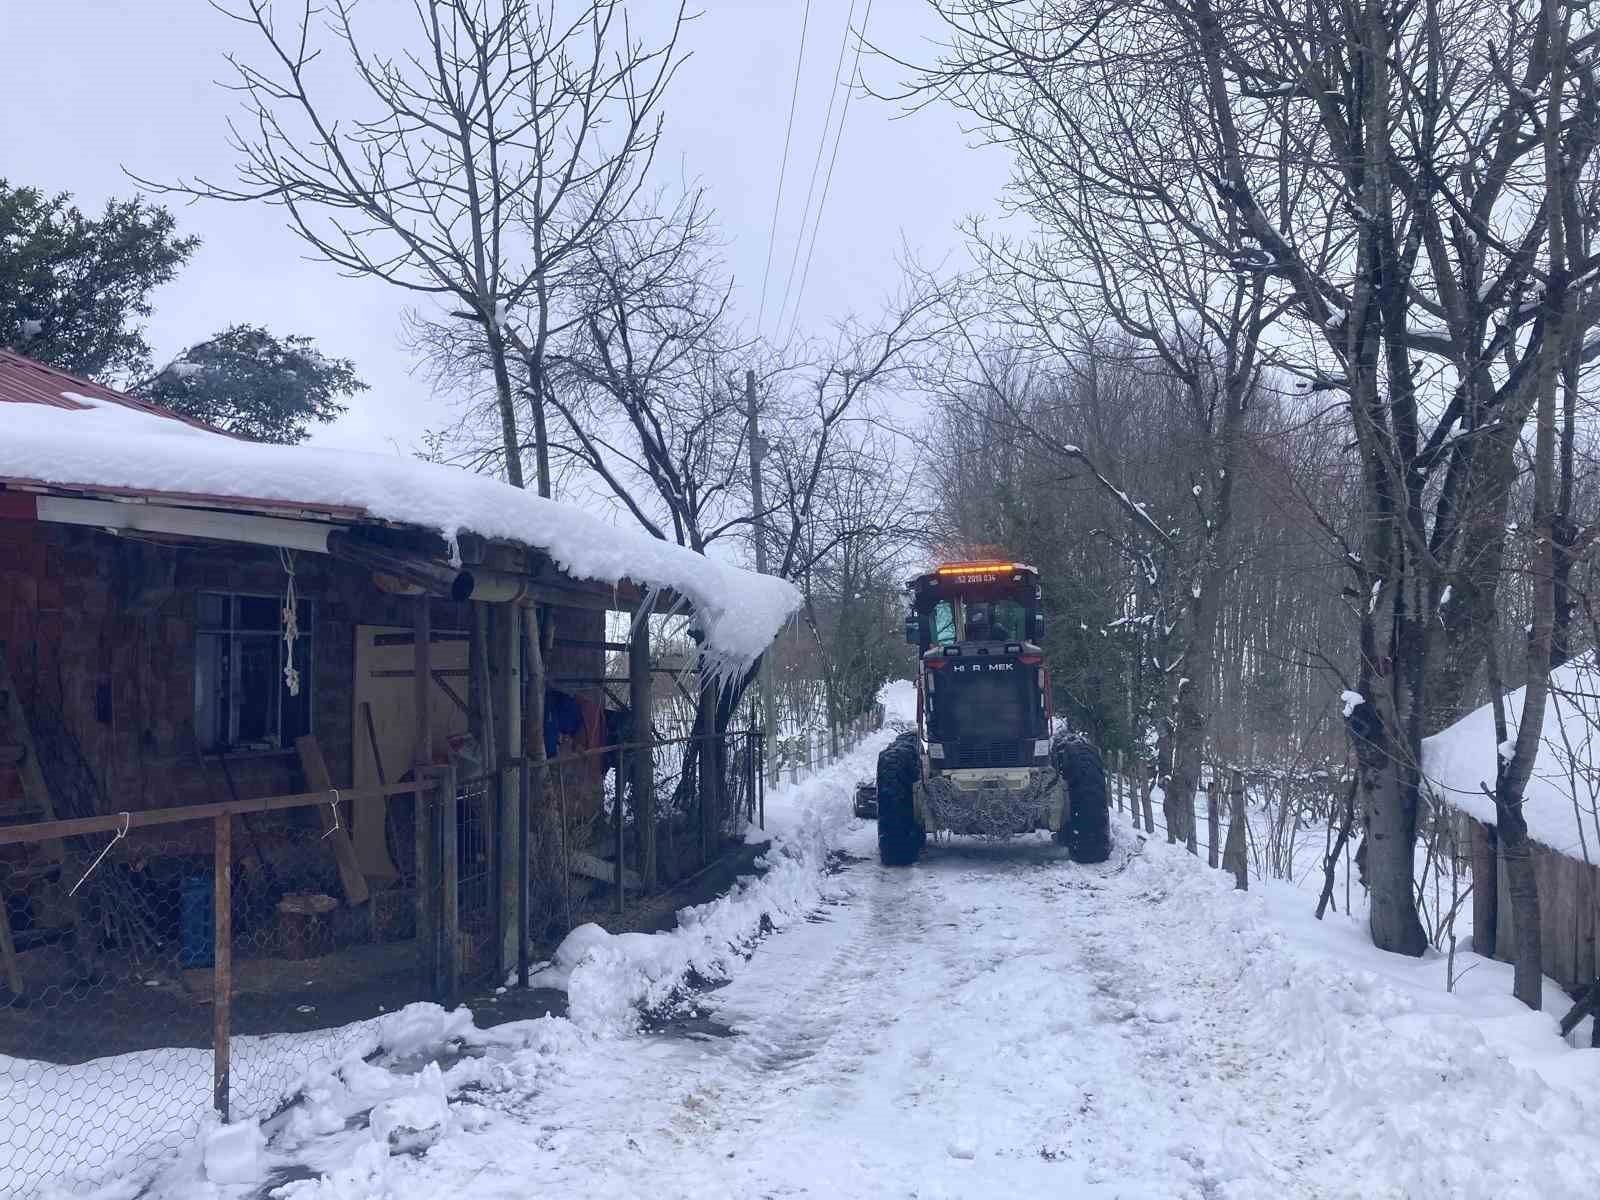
[(160, 966), (163, 965)]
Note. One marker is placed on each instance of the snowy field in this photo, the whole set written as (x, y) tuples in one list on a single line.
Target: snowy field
[(996, 1021)]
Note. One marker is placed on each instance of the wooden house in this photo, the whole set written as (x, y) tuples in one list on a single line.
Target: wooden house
[(188, 617)]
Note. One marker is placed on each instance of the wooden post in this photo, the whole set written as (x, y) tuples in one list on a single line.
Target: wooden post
[(481, 724), (1235, 854), (421, 759), (619, 828), (221, 961), (506, 655), (449, 886), (1212, 817), (1485, 888), (1149, 787), (523, 816), (642, 759), (535, 807)]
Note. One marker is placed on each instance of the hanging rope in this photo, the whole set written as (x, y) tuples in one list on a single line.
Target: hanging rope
[(291, 624)]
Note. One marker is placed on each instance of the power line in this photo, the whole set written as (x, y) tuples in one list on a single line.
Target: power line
[(783, 165), (828, 180), (816, 166)]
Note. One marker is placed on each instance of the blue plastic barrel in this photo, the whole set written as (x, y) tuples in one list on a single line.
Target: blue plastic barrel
[(197, 928)]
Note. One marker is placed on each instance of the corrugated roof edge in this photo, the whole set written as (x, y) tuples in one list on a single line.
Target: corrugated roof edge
[(25, 380)]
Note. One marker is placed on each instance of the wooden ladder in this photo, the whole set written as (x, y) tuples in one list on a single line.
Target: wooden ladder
[(19, 758)]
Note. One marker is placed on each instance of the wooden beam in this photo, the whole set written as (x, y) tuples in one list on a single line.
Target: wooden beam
[(589, 867), (34, 787), (410, 639), (334, 829), (44, 831), (640, 695), (421, 759), (505, 658)]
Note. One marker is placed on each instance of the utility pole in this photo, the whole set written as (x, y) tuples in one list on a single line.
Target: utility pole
[(758, 451)]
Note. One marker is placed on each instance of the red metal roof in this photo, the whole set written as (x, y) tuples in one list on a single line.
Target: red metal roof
[(24, 381)]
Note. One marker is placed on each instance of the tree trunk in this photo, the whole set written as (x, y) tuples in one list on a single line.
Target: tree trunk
[(510, 438)]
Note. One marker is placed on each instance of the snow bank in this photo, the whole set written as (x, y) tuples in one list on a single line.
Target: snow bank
[(145, 1105), (1399, 1086), (110, 446), (611, 979), (369, 1069), (1563, 793)]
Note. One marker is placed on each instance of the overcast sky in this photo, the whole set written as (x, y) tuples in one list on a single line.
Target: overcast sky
[(94, 86)]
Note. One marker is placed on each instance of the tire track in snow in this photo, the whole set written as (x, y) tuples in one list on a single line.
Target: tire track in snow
[(994, 1021)]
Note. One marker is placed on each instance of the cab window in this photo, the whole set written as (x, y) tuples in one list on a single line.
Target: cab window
[(944, 623)]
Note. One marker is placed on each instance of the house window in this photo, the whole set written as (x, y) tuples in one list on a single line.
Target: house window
[(241, 701)]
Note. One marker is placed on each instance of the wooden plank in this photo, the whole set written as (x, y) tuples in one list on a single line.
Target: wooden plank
[(511, 626), (344, 853), (41, 831), (642, 761), (34, 787), (1587, 967), (590, 867), (590, 644)]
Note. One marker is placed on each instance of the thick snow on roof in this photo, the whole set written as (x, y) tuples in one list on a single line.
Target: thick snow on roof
[(105, 445), (1563, 793)]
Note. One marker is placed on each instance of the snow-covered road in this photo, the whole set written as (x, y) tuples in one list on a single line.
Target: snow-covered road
[(998, 1022)]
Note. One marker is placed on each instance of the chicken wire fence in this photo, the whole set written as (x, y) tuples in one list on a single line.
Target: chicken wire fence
[(628, 819), (160, 966), (163, 965)]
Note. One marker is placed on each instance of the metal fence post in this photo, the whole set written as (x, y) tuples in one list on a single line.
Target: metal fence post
[(221, 961)]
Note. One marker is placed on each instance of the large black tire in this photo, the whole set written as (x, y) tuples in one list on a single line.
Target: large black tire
[(1086, 833), (900, 837)]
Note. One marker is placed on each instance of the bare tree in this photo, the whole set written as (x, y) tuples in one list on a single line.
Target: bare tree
[(473, 161), (1381, 170)]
